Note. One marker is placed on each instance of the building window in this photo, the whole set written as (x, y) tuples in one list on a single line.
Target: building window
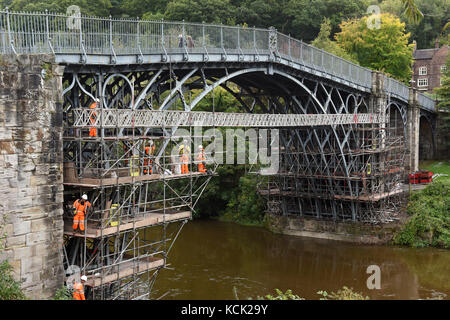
[(422, 82), (422, 71), (443, 68)]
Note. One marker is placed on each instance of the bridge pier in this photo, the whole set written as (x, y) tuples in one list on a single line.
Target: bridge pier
[(31, 175), (378, 103), (413, 125)]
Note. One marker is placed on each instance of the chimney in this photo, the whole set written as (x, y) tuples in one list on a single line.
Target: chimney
[(436, 44), (414, 45)]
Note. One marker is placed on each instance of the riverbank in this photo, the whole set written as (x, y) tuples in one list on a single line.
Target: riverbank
[(428, 224)]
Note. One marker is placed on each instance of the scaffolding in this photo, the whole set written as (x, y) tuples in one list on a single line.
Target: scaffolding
[(140, 192), (354, 174)]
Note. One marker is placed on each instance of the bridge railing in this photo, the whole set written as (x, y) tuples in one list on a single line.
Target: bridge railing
[(426, 102), (43, 32), (302, 53)]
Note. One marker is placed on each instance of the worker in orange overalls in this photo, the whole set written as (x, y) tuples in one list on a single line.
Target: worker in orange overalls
[(78, 289), (149, 151), (93, 130), (80, 206), (201, 160), (184, 159)]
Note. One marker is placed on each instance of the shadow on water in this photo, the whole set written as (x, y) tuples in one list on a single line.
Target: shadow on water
[(211, 257)]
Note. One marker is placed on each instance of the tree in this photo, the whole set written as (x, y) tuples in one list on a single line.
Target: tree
[(412, 11), (88, 7), (136, 8), (428, 29), (210, 11), (443, 92), (262, 13), (302, 18), (385, 49), (324, 42)]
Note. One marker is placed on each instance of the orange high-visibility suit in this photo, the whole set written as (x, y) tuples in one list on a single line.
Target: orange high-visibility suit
[(81, 207), (93, 131), (147, 161), (184, 163), (201, 164), (78, 291)]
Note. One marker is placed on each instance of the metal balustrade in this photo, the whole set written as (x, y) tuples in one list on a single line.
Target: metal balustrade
[(60, 34), (127, 118), (426, 102)]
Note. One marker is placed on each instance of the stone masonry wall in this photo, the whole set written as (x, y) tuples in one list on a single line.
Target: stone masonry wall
[(31, 166)]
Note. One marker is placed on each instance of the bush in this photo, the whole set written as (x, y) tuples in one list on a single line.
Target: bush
[(342, 294), (288, 295), (429, 224), (63, 294), (9, 287)]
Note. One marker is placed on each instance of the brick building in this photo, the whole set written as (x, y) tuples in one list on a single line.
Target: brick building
[(428, 67)]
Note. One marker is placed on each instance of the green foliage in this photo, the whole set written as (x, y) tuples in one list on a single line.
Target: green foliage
[(245, 206), (429, 224), (288, 295), (443, 92), (324, 42), (211, 11), (385, 49), (430, 26), (412, 11), (63, 293), (442, 167), (9, 287), (342, 294), (88, 7), (302, 18)]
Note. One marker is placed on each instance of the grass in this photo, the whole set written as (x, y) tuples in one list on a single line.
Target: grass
[(437, 167)]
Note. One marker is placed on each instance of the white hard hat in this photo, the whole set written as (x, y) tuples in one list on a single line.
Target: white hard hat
[(84, 196), (83, 278), (200, 147)]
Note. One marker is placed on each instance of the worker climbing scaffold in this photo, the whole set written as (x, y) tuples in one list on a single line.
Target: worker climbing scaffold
[(81, 206)]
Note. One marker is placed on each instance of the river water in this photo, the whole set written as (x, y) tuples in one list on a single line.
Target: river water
[(213, 259)]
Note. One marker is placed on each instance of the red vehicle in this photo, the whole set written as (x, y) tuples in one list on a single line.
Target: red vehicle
[(421, 177)]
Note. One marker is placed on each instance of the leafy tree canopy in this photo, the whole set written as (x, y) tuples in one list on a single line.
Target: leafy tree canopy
[(385, 48), (324, 42), (435, 15), (88, 7)]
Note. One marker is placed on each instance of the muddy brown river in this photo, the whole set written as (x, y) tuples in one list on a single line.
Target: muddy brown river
[(213, 259)]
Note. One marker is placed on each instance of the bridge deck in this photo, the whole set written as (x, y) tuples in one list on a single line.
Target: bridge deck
[(94, 42)]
